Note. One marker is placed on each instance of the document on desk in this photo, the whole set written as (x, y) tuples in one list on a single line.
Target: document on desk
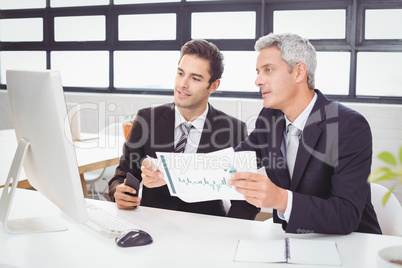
[(289, 250), (202, 177)]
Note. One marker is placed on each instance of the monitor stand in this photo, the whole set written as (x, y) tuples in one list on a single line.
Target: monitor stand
[(26, 225)]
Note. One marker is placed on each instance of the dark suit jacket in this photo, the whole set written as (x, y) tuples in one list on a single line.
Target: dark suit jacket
[(153, 131), (330, 190)]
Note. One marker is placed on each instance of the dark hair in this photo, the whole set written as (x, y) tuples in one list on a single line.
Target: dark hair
[(208, 51)]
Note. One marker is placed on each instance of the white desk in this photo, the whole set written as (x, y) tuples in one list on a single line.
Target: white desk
[(91, 155), (180, 240)]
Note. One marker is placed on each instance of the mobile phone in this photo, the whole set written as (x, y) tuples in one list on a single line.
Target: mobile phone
[(133, 182)]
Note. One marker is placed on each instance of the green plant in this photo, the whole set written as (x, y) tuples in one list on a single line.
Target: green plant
[(129, 119), (391, 173)]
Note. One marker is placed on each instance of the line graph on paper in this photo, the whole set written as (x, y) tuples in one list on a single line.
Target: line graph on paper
[(197, 187), (201, 184), (189, 179)]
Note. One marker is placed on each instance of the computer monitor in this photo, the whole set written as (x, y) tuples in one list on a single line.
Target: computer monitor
[(45, 148)]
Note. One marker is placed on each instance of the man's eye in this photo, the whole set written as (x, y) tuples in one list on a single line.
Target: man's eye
[(196, 79), (269, 70)]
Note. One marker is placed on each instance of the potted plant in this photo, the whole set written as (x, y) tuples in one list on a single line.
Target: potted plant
[(391, 172), (128, 122), (390, 256)]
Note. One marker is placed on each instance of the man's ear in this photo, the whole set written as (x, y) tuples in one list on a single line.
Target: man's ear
[(214, 86), (301, 72)]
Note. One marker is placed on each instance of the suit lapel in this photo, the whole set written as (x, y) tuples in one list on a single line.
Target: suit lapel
[(205, 144), (277, 159), (164, 129), (307, 143), (310, 136)]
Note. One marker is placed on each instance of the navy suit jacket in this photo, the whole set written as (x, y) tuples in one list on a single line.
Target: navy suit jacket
[(153, 131), (330, 190)]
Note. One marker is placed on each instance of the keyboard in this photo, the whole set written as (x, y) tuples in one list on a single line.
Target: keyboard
[(106, 223)]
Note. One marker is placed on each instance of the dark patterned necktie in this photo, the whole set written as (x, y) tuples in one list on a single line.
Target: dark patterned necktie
[(181, 145)]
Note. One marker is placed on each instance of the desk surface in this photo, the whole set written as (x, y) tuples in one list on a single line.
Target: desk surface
[(180, 240)]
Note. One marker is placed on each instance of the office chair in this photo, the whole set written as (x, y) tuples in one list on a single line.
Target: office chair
[(91, 178), (389, 216)]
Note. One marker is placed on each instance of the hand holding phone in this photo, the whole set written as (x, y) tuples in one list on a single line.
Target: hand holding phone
[(133, 182)]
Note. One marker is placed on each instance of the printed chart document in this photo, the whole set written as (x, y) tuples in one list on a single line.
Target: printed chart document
[(203, 177), (290, 250)]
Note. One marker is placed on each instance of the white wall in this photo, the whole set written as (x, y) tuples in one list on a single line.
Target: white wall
[(103, 109)]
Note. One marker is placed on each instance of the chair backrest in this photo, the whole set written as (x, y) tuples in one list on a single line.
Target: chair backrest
[(389, 216)]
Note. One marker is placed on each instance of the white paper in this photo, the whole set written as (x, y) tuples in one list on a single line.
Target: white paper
[(318, 252), (301, 251), (260, 251), (204, 177)]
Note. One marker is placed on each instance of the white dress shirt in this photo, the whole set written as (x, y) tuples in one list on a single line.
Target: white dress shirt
[(194, 136), (299, 122)]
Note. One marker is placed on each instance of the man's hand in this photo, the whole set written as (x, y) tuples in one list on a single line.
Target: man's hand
[(123, 200), (259, 190), (151, 176)]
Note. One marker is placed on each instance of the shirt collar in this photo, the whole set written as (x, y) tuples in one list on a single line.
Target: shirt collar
[(198, 123), (301, 120)]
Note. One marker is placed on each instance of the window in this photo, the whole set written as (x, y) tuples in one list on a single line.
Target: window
[(381, 24), (24, 60), (82, 28), (119, 46), (332, 74), (82, 68), (22, 4), (75, 3), (377, 66), (312, 24), (147, 27), (21, 30), (145, 69), (223, 25)]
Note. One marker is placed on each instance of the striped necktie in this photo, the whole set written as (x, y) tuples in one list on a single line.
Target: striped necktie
[(181, 145)]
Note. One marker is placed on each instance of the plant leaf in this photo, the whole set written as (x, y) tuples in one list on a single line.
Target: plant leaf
[(400, 155), (381, 174), (387, 195), (388, 158)]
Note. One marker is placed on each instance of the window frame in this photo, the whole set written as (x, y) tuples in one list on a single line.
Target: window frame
[(353, 42)]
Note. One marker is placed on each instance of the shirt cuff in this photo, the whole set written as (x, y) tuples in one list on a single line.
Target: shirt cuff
[(286, 215)]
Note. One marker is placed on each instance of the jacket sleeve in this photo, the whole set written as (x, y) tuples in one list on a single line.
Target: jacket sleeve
[(242, 209), (133, 154), (347, 207)]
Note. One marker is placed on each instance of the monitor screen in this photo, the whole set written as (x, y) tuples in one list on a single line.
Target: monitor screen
[(39, 115)]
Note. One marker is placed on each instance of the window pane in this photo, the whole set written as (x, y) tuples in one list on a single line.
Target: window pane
[(20, 30), (145, 69), (22, 4), (21, 60), (223, 25), (147, 27), (122, 2), (383, 24), (83, 28), (239, 73), (332, 74), (379, 74), (312, 24), (82, 68), (74, 3)]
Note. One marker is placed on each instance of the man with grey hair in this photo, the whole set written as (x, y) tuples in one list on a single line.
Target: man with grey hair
[(316, 152)]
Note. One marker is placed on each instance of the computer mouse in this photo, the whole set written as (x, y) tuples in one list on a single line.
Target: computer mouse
[(133, 238)]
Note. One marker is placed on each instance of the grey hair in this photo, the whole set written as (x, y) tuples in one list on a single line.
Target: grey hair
[(295, 49)]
